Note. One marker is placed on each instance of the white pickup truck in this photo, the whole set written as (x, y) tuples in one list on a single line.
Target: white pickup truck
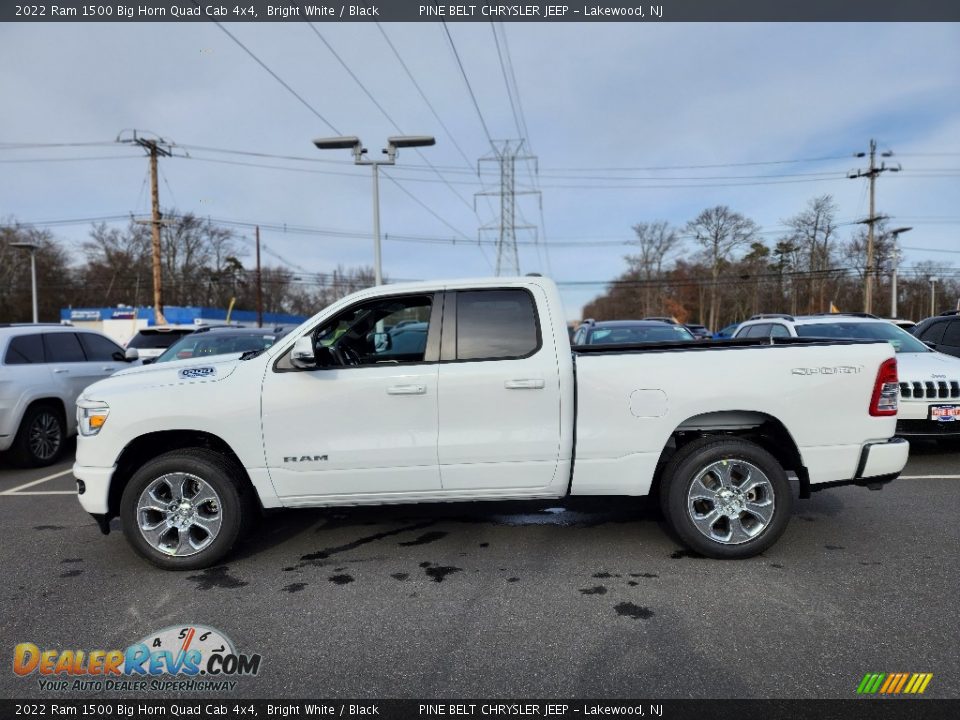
[(469, 390)]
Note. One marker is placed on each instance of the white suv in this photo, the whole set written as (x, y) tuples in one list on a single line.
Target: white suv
[(929, 381), (43, 369)]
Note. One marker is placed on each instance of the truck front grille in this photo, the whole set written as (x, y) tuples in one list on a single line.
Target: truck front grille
[(930, 390)]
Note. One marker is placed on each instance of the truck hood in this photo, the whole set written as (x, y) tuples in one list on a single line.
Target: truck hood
[(168, 374)]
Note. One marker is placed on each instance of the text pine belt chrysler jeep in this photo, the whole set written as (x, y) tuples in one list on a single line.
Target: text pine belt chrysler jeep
[(470, 390)]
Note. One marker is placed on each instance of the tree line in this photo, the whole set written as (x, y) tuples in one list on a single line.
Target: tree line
[(203, 265), (733, 273)]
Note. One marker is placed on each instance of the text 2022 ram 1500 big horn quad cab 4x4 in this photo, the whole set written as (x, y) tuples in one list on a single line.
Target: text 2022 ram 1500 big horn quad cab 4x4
[(486, 402)]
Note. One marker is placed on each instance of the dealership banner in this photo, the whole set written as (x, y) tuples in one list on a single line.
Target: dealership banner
[(526, 709), (526, 10)]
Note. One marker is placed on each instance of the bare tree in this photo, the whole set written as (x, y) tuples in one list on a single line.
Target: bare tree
[(655, 241), (55, 283), (720, 232), (813, 229)]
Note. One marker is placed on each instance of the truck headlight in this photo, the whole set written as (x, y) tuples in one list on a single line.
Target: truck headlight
[(91, 416)]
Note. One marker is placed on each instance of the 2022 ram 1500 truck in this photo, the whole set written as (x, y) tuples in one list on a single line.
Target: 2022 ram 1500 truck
[(470, 391)]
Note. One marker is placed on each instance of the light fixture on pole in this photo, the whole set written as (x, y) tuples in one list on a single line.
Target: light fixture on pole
[(893, 277), (393, 144), (32, 247)]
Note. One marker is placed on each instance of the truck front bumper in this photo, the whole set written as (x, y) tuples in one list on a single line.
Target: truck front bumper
[(93, 488)]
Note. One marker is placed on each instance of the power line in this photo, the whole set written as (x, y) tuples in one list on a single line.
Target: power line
[(506, 82), (463, 74), (425, 99), (277, 77), (383, 110)]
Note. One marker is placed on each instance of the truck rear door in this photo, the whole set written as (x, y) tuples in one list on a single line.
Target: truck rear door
[(499, 391)]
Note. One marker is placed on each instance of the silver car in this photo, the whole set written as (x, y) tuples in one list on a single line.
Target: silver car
[(43, 369)]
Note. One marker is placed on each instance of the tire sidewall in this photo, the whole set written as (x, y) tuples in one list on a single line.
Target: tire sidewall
[(212, 472), (23, 453), (689, 467)]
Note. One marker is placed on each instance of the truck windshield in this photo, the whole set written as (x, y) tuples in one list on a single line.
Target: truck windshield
[(902, 341)]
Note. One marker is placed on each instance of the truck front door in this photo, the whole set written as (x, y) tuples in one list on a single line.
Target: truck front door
[(366, 424)]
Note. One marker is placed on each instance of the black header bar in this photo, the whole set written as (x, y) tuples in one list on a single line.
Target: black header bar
[(900, 708), (715, 11)]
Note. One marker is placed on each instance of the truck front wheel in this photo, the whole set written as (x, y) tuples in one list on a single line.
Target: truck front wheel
[(183, 510), (726, 497)]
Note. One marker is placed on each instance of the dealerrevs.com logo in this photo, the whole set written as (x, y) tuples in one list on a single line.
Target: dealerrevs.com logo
[(177, 658), (894, 683)]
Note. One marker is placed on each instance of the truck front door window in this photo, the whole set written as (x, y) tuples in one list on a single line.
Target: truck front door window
[(390, 330)]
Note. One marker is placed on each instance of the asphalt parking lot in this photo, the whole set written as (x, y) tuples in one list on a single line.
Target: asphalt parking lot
[(514, 600)]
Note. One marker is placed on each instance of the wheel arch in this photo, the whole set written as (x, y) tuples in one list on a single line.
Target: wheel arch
[(144, 448), (759, 427)]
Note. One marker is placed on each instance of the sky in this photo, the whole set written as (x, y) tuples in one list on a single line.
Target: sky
[(622, 119)]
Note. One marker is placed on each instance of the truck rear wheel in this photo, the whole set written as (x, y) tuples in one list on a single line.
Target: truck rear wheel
[(726, 497), (184, 509)]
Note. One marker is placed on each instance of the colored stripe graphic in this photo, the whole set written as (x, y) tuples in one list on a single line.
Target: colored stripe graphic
[(894, 683)]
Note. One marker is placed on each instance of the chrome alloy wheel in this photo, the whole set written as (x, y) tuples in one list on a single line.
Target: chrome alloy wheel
[(731, 501), (179, 514), (45, 436)]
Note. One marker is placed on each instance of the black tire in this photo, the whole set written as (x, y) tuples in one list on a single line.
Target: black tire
[(217, 471), (681, 473), (41, 437)]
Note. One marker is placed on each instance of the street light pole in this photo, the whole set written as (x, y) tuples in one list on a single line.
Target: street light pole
[(933, 296), (32, 247), (377, 262), (893, 279), (393, 143)]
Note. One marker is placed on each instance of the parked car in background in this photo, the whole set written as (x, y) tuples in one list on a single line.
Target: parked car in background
[(150, 342), (902, 323), (929, 381), (618, 332), (43, 369), (942, 332), (727, 332), (700, 332), (226, 340)]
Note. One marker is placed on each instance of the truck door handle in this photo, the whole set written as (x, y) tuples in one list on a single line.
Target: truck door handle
[(525, 384), (60, 370), (107, 368), (407, 390)]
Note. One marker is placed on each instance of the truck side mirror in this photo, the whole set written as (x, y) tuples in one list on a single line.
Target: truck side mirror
[(302, 355), (131, 355)]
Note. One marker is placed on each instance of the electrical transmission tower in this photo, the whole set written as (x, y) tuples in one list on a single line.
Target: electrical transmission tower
[(506, 153)]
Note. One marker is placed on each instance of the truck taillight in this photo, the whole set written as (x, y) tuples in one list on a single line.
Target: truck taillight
[(886, 390)]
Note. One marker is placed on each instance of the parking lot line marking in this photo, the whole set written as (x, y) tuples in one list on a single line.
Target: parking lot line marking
[(923, 477), (41, 492), (13, 491)]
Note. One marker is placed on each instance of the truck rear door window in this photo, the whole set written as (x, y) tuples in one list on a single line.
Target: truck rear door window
[(496, 325)]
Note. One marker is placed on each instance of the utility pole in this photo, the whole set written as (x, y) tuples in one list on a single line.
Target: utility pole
[(155, 147), (871, 174), (259, 284), (933, 296), (506, 153)]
